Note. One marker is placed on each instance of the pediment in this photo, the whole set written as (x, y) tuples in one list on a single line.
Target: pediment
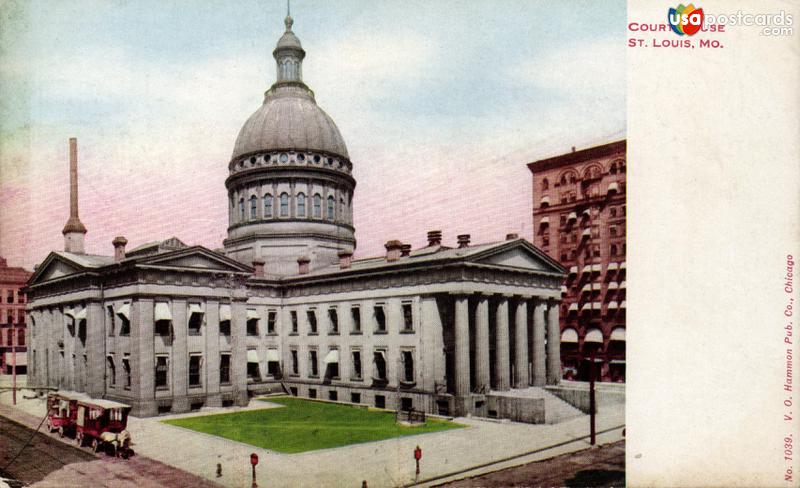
[(520, 254), (54, 267), (196, 258)]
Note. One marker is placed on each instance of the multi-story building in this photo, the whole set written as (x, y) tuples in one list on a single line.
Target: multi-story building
[(168, 327), (12, 317), (579, 220)]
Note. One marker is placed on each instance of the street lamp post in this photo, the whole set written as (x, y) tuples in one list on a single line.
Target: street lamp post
[(592, 406)]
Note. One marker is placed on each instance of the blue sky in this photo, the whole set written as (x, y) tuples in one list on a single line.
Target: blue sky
[(441, 102)]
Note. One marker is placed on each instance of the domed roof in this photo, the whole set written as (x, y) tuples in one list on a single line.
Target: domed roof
[(289, 117), (289, 121)]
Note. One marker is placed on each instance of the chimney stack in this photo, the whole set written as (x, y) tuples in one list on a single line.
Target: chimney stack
[(74, 231), (258, 268), (405, 250), (434, 238), (463, 240), (302, 264), (119, 243), (393, 250), (511, 237), (345, 259)]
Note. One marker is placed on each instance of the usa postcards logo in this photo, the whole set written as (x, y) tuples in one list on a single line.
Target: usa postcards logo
[(685, 20)]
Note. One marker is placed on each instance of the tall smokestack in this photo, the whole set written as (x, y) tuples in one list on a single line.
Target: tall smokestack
[(74, 231)]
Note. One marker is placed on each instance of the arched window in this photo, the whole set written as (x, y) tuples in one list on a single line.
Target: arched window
[(301, 204), (613, 249), (545, 184), (241, 210), (267, 206), (284, 204), (613, 169), (563, 180), (331, 207), (317, 206), (341, 205), (253, 207)]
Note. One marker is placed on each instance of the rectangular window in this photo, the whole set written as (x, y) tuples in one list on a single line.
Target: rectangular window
[(311, 315), (194, 370), (293, 315), (126, 369), (355, 398), (408, 366), (253, 371), (295, 363), (111, 371), (195, 319), (380, 319), (272, 318), (355, 313), (125, 326), (357, 365), (273, 367), (408, 317), (162, 371), (161, 327), (333, 395), (312, 363), (379, 360), (111, 320), (252, 327), (10, 296), (225, 327), (224, 369), (312, 393), (332, 368), (333, 317), (406, 404), (380, 401)]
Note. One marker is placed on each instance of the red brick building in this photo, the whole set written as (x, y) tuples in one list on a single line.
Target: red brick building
[(12, 312), (579, 220)]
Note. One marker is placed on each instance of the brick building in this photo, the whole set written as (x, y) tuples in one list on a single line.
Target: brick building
[(579, 220), (12, 313)]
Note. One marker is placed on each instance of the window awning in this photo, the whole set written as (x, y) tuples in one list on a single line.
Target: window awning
[(124, 310), (594, 335), (612, 266), (612, 285), (81, 315), (617, 361), (382, 354), (613, 305), (545, 221), (563, 290), (622, 265), (569, 335), (613, 187), (272, 356), (195, 308), (573, 307), (587, 213), (622, 285), (332, 356), (597, 305), (252, 314), (545, 200), (225, 312), (597, 268), (586, 233), (623, 304), (572, 216), (586, 307), (69, 313), (573, 270), (618, 334), (587, 269), (252, 356), (162, 311)]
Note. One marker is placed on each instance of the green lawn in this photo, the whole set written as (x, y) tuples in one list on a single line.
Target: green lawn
[(305, 425)]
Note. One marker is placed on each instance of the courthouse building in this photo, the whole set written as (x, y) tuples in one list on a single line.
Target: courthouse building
[(166, 327), (12, 317), (579, 219)]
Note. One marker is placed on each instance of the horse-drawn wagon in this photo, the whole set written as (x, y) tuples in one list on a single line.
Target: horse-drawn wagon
[(62, 410), (102, 423)]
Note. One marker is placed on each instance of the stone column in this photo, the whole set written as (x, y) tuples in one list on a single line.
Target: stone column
[(521, 345), (539, 357), (239, 352), (180, 356), (553, 344), (482, 376), (502, 363), (95, 350), (142, 358), (462, 346), (211, 338)]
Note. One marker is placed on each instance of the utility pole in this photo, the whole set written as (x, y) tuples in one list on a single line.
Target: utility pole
[(13, 363), (592, 406)]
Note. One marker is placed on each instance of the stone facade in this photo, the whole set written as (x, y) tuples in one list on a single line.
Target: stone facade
[(579, 219)]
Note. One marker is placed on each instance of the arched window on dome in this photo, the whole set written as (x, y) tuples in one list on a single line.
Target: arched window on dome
[(241, 210), (267, 206), (253, 207), (317, 206), (284, 204), (301, 204), (331, 207), (545, 184), (341, 206)]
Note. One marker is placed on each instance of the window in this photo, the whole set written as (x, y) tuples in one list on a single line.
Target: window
[(301, 204), (273, 367), (253, 207), (241, 210), (111, 320), (332, 368), (295, 362), (563, 220), (267, 206), (613, 231), (357, 365), (333, 395), (406, 404), (408, 366), (546, 241), (195, 319), (312, 393), (333, 317), (379, 359), (355, 314), (194, 370), (380, 401), (312, 363), (613, 250), (125, 325), (272, 317), (225, 327), (317, 206), (224, 369), (380, 319), (126, 368), (613, 211), (10, 296), (284, 204), (162, 370), (408, 317), (111, 372), (311, 315), (545, 184), (252, 325), (355, 398), (293, 315), (253, 371), (331, 208)]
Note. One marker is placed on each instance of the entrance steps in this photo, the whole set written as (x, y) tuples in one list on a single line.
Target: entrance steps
[(556, 410)]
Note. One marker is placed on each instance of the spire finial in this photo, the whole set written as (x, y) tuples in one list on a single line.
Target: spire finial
[(288, 21)]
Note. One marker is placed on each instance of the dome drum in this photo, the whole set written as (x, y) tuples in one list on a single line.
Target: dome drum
[(286, 158)]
